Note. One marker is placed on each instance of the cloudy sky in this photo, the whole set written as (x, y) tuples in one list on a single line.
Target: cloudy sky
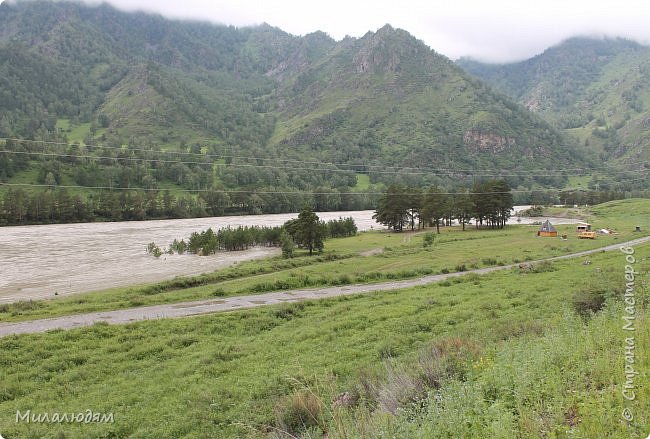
[(496, 30)]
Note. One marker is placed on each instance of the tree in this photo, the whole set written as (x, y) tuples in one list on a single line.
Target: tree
[(464, 207), (504, 201), (393, 208), (307, 230), (414, 203), (287, 245), (15, 205), (433, 207), (492, 202), (216, 201)]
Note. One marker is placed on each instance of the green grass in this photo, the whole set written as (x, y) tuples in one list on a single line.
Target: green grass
[(622, 215), (28, 176), (227, 375), (79, 132), (566, 383), (75, 133), (578, 181), (363, 182), (392, 256), (63, 124), (402, 256)]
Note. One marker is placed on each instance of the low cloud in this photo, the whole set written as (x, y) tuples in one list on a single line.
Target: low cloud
[(497, 31)]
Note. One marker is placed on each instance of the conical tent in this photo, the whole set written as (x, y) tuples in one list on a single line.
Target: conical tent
[(547, 227)]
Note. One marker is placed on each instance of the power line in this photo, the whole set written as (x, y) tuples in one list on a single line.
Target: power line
[(314, 162), (247, 165), (280, 192)]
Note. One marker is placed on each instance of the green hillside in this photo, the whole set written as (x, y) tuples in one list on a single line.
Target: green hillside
[(255, 119), (387, 98), (597, 90)]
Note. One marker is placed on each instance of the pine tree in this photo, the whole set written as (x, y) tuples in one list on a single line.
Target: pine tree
[(307, 231)]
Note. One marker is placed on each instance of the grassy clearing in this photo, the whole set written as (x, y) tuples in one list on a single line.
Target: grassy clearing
[(239, 374), (578, 181), (566, 383), (363, 182), (75, 133)]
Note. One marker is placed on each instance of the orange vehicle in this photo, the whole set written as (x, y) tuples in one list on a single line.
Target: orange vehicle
[(587, 235)]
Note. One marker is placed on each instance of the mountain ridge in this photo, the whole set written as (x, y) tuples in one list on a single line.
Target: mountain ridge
[(134, 81), (595, 89)]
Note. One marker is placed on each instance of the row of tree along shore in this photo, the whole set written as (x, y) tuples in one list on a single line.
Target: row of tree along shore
[(307, 231), (489, 203), (19, 206), (59, 205)]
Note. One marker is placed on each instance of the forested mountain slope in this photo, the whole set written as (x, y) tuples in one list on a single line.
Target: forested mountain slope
[(598, 90), (139, 101)]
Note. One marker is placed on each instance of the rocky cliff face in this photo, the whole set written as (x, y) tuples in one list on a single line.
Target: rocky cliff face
[(479, 141), (383, 51)]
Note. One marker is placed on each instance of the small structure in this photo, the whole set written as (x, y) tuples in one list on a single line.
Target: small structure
[(547, 229), (583, 227)]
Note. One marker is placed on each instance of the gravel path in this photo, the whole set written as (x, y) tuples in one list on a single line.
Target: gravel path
[(185, 309)]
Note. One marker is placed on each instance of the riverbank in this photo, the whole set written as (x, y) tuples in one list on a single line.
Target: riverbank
[(41, 262), (368, 258), (185, 309), (511, 334)]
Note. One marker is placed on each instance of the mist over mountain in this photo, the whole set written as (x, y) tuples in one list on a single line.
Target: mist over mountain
[(597, 90), (140, 101), (171, 82)]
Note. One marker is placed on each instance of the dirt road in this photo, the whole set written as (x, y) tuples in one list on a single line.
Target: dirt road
[(185, 309)]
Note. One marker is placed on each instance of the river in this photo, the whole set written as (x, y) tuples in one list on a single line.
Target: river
[(42, 261)]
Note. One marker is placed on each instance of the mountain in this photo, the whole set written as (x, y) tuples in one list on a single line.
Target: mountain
[(157, 103), (597, 90)]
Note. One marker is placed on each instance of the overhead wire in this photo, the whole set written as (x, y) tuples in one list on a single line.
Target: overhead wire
[(248, 165), (314, 162), (283, 192), (423, 171)]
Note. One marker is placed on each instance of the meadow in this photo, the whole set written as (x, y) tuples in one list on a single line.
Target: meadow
[(237, 374), (366, 258), (533, 351)]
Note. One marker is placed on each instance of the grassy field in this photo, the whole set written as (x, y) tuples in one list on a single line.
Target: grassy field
[(517, 363), (366, 258), (533, 351)]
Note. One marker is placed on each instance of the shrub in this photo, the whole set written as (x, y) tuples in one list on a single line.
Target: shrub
[(23, 305), (299, 412), (218, 292), (399, 389), (177, 246), (388, 349), (588, 301), (287, 245), (153, 249), (534, 211), (428, 239), (289, 311), (543, 267)]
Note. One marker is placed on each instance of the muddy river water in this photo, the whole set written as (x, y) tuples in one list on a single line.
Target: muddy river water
[(39, 261), (43, 261)]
